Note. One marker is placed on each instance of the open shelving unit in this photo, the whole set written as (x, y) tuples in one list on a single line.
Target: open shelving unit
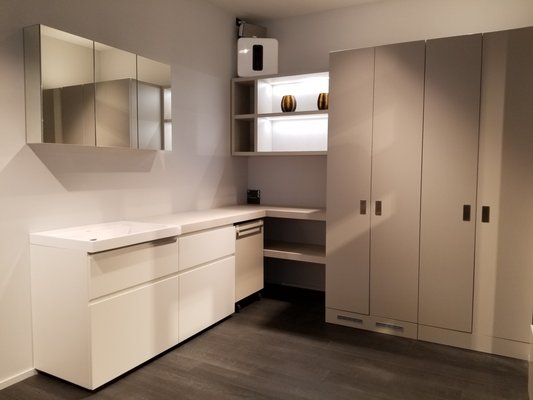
[(295, 240), (259, 127), (305, 252)]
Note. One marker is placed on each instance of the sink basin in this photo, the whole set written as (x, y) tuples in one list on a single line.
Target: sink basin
[(105, 236)]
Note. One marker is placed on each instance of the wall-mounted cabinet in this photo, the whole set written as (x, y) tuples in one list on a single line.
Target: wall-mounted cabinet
[(260, 127), (82, 92)]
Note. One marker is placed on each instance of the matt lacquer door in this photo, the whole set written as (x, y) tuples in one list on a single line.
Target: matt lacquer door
[(449, 180), (348, 180), (396, 174)]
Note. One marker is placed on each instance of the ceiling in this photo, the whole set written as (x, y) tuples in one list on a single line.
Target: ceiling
[(256, 10)]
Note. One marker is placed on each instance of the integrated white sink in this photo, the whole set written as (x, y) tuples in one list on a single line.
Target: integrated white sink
[(105, 236)]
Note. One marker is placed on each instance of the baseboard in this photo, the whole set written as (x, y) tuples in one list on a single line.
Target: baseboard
[(485, 344), (17, 378), (372, 323), (531, 366)]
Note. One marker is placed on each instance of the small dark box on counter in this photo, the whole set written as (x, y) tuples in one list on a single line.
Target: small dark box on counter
[(253, 196)]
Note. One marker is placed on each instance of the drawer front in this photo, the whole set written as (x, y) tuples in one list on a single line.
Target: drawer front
[(203, 247), (132, 327), (207, 295), (122, 268), (248, 265)]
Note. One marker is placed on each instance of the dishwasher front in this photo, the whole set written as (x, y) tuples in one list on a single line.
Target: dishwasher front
[(248, 258)]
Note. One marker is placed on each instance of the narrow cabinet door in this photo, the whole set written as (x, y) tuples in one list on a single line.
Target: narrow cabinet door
[(449, 177), (396, 169), (504, 242), (348, 180)]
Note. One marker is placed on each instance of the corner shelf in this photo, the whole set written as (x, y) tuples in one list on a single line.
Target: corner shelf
[(306, 252), (259, 127), (295, 239)]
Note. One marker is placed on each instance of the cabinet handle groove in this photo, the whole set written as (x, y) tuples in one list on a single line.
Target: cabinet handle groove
[(362, 207), (466, 212), (378, 207), (485, 214)]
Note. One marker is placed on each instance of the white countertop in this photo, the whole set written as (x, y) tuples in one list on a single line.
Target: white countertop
[(107, 236), (192, 221)]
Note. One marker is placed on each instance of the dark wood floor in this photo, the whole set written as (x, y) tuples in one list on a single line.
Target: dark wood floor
[(280, 348)]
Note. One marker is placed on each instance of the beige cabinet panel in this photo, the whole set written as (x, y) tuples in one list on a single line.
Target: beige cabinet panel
[(249, 269), (504, 251), (396, 174), (206, 295), (119, 269), (202, 247), (348, 180), (449, 179), (129, 329)]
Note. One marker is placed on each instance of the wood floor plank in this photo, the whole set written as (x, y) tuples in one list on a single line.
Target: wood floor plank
[(280, 348)]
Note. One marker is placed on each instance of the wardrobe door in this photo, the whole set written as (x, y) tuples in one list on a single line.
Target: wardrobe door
[(348, 180), (449, 179), (504, 241), (396, 165)]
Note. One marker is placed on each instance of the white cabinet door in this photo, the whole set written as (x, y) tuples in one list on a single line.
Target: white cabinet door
[(202, 247), (348, 180), (119, 269), (206, 295), (504, 245), (249, 270), (132, 327), (449, 178), (396, 174)]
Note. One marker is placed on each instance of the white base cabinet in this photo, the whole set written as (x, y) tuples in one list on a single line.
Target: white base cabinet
[(96, 316), (249, 263)]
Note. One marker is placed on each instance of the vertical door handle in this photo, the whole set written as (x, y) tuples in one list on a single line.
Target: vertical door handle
[(485, 214), (362, 207), (466, 212), (378, 207)]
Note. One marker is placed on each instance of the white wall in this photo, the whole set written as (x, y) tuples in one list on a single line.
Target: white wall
[(305, 43), (49, 186)]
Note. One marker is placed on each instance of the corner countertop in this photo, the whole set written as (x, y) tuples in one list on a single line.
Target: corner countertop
[(192, 221), (112, 235)]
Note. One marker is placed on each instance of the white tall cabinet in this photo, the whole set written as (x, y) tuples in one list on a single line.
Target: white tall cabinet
[(446, 255), (348, 181), (449, 180), (374, 155)]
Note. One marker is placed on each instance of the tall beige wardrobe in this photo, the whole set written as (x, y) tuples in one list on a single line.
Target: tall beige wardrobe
[(430, 190)]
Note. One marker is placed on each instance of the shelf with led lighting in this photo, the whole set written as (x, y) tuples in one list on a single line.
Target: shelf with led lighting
[(259, 127)]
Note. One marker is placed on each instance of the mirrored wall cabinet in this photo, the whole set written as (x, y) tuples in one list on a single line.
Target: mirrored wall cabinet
[(82, 92)]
